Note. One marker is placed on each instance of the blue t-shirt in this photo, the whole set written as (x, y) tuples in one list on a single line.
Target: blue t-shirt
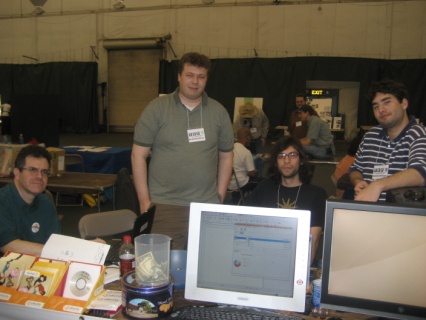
[(34, 222)]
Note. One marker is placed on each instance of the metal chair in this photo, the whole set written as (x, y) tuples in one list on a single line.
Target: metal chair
[(107, 223), (75, 161), (126, 196)]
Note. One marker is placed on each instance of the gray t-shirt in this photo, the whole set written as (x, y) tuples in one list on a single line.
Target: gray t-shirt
[(319, 132), (180, 171)]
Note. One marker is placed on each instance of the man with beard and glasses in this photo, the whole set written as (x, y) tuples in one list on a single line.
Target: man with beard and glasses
[(289, 186)]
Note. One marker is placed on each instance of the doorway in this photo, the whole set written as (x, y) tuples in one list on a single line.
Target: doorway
[(133, 76)]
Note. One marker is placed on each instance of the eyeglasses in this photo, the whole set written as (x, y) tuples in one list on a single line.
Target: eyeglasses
[(290, 155), (44, 172)]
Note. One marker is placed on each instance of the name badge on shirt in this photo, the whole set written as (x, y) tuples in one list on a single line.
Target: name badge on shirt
[(253, 130), (380, 171), (196, 135), (298, 123)]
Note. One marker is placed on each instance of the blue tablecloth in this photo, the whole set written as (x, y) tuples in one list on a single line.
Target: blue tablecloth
[(109, 161)]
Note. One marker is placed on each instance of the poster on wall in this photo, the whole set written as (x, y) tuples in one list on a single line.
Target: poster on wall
[(337, 123), (239, 101), (323, 108)]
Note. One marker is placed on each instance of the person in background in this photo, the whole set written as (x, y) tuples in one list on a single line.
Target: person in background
[(254, 119), (6, 122), (189, 140), (392, 154), (244, 168), (340, 176), (318, 141), (296, 127), (289, 186)]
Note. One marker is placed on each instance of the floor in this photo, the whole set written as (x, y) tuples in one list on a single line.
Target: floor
[(70, 215)]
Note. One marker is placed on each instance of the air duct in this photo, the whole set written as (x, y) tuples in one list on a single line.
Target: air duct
[(142, 43)]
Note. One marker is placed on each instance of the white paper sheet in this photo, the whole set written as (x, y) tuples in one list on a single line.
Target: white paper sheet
[(74, 249), (98, 149)]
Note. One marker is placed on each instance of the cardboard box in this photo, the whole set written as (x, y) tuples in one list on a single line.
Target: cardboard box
[(68, 304), (8, 154), (58, 160), (54, 299)]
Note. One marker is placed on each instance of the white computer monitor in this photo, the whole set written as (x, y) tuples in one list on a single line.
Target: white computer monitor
[(374, 259), (249, 256)]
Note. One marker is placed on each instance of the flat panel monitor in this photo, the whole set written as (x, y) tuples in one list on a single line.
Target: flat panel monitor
[(249, 256), (374, 259)]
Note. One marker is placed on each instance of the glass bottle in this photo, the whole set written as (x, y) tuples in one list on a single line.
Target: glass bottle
[(127, 256)]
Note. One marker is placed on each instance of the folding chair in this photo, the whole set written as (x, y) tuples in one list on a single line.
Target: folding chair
[(107, 223)]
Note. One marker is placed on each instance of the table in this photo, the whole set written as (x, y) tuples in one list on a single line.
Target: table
[(333, 131), (109, 161), (77, 182), (13, 311), (179, 301)]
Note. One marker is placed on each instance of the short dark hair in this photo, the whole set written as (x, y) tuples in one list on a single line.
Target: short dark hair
[(31, 151), (395, 88), (305, 172), (301, 95), (194, 59)]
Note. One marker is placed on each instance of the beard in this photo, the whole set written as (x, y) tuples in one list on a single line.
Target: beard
[(289, 174)]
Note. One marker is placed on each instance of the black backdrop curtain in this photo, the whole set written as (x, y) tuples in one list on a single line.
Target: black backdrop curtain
[(278, 80), (75, 84)]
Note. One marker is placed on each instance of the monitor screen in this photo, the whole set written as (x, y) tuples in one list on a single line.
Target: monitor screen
[(250, 256), (374, 259)]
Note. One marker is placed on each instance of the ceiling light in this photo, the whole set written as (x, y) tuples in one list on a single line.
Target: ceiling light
[(38, 3)]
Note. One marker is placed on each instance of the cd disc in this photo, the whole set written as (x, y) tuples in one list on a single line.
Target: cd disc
[(80, 283)]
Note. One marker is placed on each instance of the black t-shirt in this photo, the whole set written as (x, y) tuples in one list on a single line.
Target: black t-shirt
[(308, 197)]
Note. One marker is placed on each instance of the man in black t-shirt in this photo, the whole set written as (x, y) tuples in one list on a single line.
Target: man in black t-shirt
[(289, 187)]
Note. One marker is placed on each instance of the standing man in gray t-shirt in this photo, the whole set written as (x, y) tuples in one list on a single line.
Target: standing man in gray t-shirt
[(189, 139)]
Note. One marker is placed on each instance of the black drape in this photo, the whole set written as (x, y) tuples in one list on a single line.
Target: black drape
[(75, 84), (278, 80)]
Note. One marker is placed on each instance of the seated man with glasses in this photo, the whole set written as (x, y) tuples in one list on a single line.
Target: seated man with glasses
[(288, 186), (27, 216)]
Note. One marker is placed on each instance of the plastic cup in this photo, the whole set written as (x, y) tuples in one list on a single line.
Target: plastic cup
[(152, 263), (316, 293)]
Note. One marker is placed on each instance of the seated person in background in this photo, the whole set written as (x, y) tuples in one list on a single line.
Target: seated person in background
[(243, 164), (289, 186), (340, 176), (28, 217), (392, 154), (318, 141)]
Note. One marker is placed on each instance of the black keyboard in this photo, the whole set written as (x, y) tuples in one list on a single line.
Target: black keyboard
[(228, 312)]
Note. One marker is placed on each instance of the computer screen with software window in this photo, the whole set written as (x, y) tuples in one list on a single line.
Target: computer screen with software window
[(250, 256), (374, 259)]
